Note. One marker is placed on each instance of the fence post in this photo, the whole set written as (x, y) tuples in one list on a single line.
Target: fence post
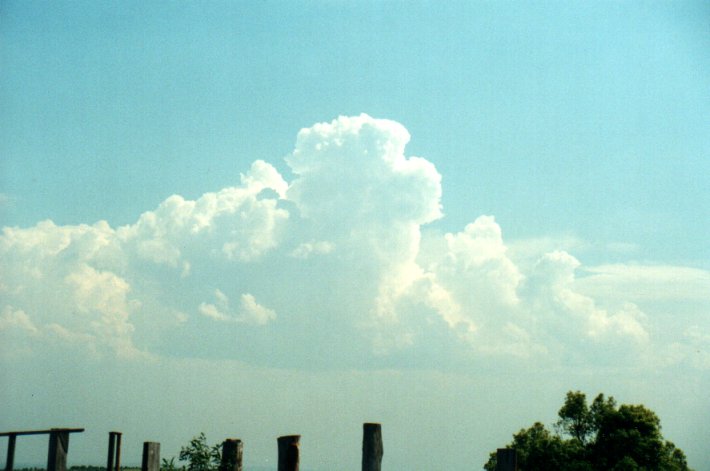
[(288, 452), (114, 452), (232, 450), (10, 459), (118, 451), (58, 448), (109, 461), (372, 449), (506, 459), (151, 456)]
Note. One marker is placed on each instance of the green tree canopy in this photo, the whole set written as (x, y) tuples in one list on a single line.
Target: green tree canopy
[(596, 437)]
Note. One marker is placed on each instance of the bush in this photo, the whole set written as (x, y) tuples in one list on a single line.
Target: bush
[(200, 456)]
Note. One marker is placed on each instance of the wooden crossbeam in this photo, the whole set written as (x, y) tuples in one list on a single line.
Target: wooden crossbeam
[(40, 432)]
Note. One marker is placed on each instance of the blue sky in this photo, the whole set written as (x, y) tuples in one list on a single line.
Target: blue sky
[(552, 229)]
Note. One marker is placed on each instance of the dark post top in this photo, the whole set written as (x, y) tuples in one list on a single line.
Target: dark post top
[(39, 432)]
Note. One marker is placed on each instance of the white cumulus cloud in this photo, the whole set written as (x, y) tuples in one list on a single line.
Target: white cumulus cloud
[(248, 312), (344, 253)]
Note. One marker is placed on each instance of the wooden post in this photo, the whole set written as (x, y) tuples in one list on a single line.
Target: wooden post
[(372, 449), (288, 452), (151, 456), (10, 459), (58, 448), (506, 459), (118, 451), (113, 463), (109, 460), (231, 455)]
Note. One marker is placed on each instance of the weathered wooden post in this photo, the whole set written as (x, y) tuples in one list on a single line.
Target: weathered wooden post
[(10, 459), (114, 452), (111, 445), (288, 452), (506, 459), (58, 448), (372, 449), (151, 456), (232, 450)]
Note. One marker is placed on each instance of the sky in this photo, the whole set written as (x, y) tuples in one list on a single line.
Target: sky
[(253, 219)]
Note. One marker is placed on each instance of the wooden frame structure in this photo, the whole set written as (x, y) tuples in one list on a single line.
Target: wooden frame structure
[(232, 451), (58, 446)]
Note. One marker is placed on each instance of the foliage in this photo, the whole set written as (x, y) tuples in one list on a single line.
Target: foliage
[(200, 456), (596, 437), (576, 418), (166, 465)]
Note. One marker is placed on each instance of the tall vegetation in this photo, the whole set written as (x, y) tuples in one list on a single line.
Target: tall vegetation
[(595, 437), (198, 455)]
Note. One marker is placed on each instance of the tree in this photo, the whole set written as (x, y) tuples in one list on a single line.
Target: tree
[(672, 458), (629, 433), (199, 455), (540, 450), (576, 417), (600, 436)]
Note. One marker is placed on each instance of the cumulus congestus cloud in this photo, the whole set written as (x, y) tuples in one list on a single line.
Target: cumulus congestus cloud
[(335, 266)]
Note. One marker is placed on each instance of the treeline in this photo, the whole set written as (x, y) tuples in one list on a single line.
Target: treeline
[(601, 436), (83, 468)]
